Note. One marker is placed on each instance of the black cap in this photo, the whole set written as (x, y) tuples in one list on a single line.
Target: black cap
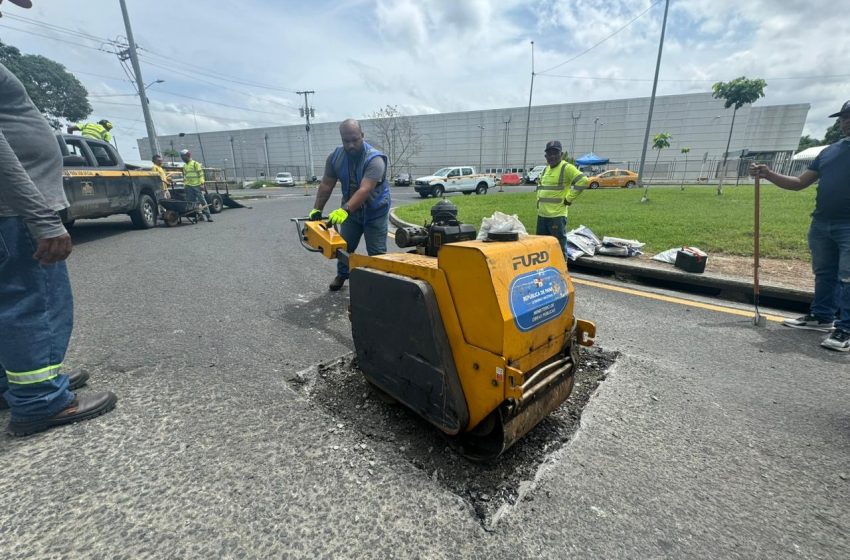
[(845, 110), (554, 145)]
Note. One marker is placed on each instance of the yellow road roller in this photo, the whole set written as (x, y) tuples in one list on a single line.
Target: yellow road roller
[(476, 337)]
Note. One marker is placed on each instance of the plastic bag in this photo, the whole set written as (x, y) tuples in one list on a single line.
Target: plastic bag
[(500, 223), (581, 241)]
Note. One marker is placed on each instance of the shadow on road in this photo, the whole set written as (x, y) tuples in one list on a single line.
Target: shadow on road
[(94, 230)]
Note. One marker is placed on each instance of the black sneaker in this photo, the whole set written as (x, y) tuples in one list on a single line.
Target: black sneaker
[(76, 379), (809, 322), (838, 340), (337, 283)]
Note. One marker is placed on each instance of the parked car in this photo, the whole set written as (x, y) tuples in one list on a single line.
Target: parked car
[(403, 180), (453, 179), (284, 179), (534, 175), (617, 178)]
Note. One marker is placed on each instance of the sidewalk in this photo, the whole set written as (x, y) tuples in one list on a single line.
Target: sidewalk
[(636, 267)]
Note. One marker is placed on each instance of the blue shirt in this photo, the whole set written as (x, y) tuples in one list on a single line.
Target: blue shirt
[(833, 168)]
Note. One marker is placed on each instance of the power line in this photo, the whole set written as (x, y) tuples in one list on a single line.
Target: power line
[(58, 28), (685, 80), (76, 44), (177, 112), (602, 41)]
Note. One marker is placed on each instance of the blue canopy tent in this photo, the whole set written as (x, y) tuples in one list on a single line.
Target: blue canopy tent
[(591, 159)]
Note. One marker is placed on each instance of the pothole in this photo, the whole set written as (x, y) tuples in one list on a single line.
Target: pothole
[(396, 433)]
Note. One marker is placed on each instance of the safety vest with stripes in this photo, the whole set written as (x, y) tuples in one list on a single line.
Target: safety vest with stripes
[(193, 174), (557, 188), (94, 130)]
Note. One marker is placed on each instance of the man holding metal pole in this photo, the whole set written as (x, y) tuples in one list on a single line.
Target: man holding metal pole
[(829, 236)]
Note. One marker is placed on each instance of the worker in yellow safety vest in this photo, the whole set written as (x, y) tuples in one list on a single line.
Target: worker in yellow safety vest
[(99, 130), (157, 167), (193, 181), (560, 184)]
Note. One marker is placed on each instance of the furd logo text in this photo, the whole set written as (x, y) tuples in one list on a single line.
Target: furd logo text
[(531, 259)]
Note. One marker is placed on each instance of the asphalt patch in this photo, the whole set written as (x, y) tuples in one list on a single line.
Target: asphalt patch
[(399, 435)]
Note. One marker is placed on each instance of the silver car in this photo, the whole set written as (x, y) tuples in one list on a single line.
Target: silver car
[(284, 179)]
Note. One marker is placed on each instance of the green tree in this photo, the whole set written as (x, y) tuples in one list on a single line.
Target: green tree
[(737, 93), (807, 142), (57, 93), (833, 134), (685, 169), (659, 142)]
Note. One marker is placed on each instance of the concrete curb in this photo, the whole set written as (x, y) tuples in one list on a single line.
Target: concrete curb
[(667, 273)]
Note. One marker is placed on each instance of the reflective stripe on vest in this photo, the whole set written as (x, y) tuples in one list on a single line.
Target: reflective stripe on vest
[(34, 376)]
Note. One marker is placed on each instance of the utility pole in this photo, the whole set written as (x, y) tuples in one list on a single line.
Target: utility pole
[(528, 114), (198, 134), (308, 112), (573, 139), (505, 165), (652, 99), (480, 146), (233, 157), (266, 145), (130, 52), (595, 126)]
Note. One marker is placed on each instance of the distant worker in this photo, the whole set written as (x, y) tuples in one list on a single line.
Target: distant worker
[(157, 167), (36, 303), (362, 173), (559, 185), (193, 181), (829, 236), (98, 131)]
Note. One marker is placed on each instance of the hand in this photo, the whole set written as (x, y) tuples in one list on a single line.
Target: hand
[(314, 215), (53, 249), (338, 216), (759, 170)]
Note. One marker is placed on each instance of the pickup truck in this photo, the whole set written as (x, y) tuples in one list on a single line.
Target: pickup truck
[(453, 179), (98, 183)]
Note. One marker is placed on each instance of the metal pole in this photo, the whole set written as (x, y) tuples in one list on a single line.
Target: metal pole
[(266, 144), (528, 114), (480, 147), (307, 115), (595, 126), (140, 83), (573, 139), (233, 157), (652, 98)]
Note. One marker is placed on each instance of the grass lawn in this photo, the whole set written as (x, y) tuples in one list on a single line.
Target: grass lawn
[(671, 218)]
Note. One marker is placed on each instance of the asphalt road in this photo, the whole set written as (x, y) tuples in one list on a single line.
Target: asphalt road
[(710, 438)]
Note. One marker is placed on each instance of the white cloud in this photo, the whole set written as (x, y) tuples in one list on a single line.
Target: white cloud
[(433, 55)]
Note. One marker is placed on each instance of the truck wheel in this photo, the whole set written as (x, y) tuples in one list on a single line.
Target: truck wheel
[(438, 191), (215, 203), (594, 185), (423, 195), (481, 188), (144, 217)]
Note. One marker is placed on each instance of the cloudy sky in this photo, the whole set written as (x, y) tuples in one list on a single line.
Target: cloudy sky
[(233, 64)]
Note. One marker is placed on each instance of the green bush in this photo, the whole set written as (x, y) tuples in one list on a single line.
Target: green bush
[(260, 184)]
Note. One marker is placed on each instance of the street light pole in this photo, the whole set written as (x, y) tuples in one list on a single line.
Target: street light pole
[(573, 139), (480, 146), (595, 126), (528, 114), (266, 145), (137, 70), (233, 157)]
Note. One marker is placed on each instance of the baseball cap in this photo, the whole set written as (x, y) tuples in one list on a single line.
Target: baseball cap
[(554, 145), (185, 153), (844, 109)]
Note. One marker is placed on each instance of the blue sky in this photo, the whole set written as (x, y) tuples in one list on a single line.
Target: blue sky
[(237, 65)]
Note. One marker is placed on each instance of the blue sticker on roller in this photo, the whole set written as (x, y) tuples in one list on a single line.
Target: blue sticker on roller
[(538, 297)]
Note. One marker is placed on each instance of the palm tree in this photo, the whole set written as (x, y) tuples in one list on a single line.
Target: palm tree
[(739, 92), (685, 169), (659, 142)]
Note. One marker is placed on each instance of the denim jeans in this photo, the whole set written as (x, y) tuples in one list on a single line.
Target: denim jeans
[(375, 231), (556, 227), (197, 195), (36, 318), (829, 242)]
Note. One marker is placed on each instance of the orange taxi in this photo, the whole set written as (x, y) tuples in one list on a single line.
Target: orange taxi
[(617, 178)]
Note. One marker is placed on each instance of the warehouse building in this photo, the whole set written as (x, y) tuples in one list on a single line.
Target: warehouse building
[(495, 139)]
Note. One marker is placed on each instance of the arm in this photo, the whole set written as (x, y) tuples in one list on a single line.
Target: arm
[(20, 194), (107, 137), (326, 187), (786, 182), (72, 128), (577, 186), (201, 173)]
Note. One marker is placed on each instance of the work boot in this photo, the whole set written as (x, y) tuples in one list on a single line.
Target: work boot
[(337, 283), (83, 407), (209, 219), (76, 379)]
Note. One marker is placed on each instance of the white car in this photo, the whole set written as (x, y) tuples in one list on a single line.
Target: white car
[(284, 179), (534, 175)]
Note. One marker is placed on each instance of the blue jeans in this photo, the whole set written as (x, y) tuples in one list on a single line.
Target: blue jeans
[(375, 231), (36, 318), (556, 227), (829, 242), (195, 194)]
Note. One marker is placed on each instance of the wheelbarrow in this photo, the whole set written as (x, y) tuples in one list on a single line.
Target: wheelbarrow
[(173, 211)]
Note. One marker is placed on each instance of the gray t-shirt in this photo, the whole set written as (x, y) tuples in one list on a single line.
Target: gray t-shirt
[(374, 170), (30, 162)]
